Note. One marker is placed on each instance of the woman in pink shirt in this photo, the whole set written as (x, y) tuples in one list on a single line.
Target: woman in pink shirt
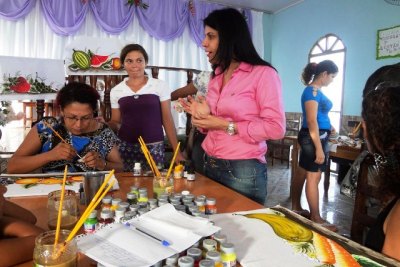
[(243, 109)]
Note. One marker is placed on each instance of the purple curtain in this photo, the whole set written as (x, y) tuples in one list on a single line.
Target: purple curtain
[(64, 17), (113, 16), (164, 20), (16, 9), (199, 12)]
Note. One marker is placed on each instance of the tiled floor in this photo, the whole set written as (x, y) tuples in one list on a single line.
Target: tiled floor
[(336, 208)]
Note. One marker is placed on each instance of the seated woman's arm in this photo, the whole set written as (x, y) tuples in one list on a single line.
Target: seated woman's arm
[(184, 91), (28, 158)]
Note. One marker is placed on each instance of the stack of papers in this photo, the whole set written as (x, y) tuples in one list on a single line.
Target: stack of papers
[(124, 245)]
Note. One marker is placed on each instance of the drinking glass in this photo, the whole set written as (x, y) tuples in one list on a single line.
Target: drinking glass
[(69, 213), (63, 254)]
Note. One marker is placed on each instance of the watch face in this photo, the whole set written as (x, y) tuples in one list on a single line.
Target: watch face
[(231, 129)]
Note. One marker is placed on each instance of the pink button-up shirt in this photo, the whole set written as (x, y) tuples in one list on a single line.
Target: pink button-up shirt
[(252, 99)]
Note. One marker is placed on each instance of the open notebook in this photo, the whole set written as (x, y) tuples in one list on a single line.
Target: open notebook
[(122, 245)]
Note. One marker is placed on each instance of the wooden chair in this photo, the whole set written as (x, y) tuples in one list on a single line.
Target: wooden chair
[(28, 108), (366, 192), (281, 149)]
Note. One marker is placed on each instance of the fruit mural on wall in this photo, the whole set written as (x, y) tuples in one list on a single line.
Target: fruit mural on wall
[(83, 60)]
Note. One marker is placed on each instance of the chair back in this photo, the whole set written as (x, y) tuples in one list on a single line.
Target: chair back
[(367, 196)]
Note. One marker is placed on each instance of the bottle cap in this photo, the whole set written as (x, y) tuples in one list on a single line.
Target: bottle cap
[(116, 201), (106, 200), (93, 214), (206, 263), (137, 165), (106, 214), (124, 205), (131, 195), (213, 255), (185, 261), (227, 247)]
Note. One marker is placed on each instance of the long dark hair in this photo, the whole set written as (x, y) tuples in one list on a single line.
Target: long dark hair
[(381, 113), (234, 39), (312, 70)]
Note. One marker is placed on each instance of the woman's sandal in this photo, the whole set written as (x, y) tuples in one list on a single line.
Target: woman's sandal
[(304, 213)]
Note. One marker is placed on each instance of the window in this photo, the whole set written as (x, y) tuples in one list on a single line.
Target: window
[(332, 48)]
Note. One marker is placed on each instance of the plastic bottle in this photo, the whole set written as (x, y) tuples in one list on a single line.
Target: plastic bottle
[(90, 225), (228, 255), (137, 169)]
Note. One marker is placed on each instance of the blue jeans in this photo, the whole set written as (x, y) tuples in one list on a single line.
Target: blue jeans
[(247, 177)]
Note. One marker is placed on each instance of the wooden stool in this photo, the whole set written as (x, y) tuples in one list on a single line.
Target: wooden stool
[(48, 111)]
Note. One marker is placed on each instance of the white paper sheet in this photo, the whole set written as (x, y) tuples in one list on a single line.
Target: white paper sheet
[(121, 245), (255, 242), (18, 190)]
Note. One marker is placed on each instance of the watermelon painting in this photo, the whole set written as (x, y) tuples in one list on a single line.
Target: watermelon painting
[(83, 60)]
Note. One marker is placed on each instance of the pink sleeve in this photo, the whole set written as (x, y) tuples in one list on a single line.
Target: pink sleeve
[(271, 122)]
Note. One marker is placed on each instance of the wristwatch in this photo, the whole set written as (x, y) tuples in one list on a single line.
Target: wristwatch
[(231, 128)]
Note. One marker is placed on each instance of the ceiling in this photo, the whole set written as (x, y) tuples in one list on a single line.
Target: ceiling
[(267, 6)]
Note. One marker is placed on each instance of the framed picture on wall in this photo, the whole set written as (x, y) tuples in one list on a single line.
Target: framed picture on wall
[(388, 43)]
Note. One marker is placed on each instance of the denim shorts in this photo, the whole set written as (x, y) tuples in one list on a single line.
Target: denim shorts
[(307, 150), (247, 177)]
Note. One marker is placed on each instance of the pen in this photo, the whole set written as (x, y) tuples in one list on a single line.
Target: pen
[(143, 231)]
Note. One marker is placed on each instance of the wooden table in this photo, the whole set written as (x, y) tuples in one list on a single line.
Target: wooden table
[(343, 155), (227, 201)]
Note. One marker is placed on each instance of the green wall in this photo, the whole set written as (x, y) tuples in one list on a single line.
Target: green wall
[(290, 34)]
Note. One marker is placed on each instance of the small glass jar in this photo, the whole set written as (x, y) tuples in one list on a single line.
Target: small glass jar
[(220, 238), (114, 203), (228, 255), (209, 245), (216, 257), (106, 203), (119, 213), (206, 263), (62, 254), (135, 190), (172, 260), (106, 217), (124, 205), (162, 185), (131, 198), (195, 253), (211, 206), (134, 207)]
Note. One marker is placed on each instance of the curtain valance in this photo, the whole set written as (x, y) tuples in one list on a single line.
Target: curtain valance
[(164, 20)]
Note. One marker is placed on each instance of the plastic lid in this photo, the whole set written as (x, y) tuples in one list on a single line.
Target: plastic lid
[(211, 201), (123, 204), (142, 189), (107, 199), (206, 263), (185, 261), (115, 201), (213, 255), (134, 188), (228, 247), (185, 192), (134, 207), (137, 165), (172, 260), (209, 244), (194, 252), (120, 211), (93, 214), (221, 238), (131, 195), (106, 214)]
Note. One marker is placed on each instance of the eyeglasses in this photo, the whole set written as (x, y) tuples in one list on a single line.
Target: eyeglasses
[(73, 119)]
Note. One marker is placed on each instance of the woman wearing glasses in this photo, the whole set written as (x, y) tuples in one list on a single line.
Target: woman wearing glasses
[(76, 138), (141, 106)]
